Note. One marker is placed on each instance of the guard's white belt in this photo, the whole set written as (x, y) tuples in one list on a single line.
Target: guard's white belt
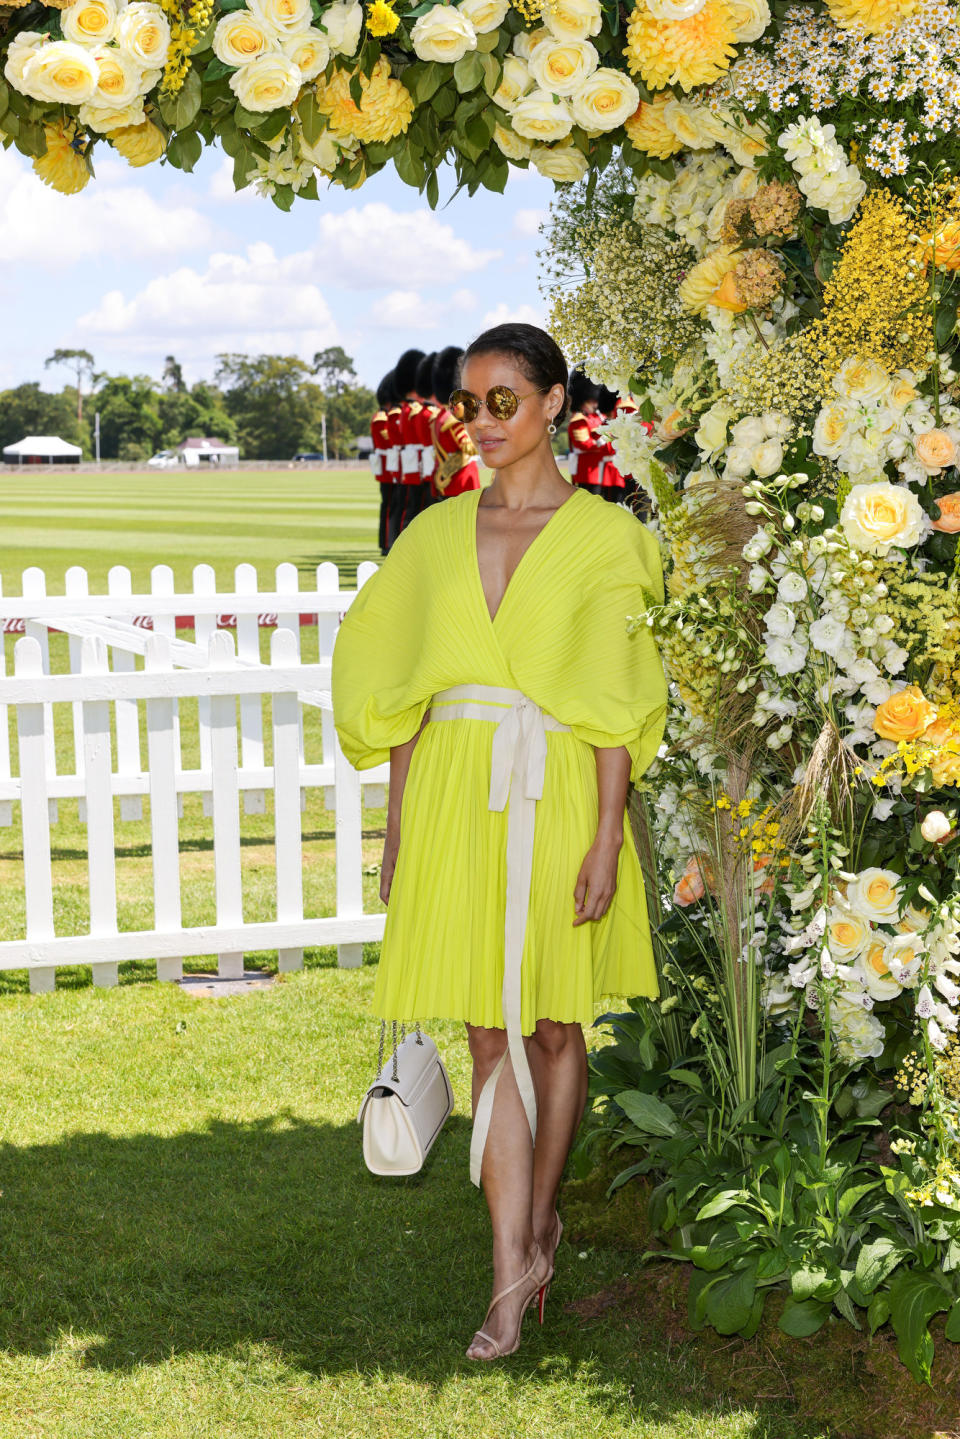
[(517, 768), (410, 459), (391, 459)]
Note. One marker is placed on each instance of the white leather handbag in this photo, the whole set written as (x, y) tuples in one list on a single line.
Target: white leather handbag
[(403, 1111)]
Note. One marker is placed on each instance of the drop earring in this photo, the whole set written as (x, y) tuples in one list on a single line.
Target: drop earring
[(551, 428)]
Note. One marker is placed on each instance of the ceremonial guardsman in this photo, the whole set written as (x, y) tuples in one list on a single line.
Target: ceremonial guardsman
[(409, 430), (612, 480), (587, 446), (392, 475), (456, 458), (428, 401), (380, 435)]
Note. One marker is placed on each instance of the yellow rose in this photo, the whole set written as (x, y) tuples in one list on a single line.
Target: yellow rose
[(240, 37), (703, 281), (484, 15), (876, 517), (513, 146), (861, 379), (286, 17), (539, 117), (514, 82), (62, 167), (648, 131), (935, 450), (750, 18), (271, 82), (563, 162), (905, 715), (902, 390), (573, 19), (847, 933), (309, 50), (62, 72), (605, 101), (830, 431), (108, 117), (561, 66), (118, 82), (945, 760), (875, 893), (943, 248), (873, 969), (143, 33), (89, 22), (443, 34), (139, 144), (686, 121)]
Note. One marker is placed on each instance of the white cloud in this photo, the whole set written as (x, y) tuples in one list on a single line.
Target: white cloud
[(404, 310), (38, 226), (375, 245), (504, 312), (528, 222), (253, 301)]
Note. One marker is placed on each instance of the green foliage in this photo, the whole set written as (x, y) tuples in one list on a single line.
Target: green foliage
[(28, 410)]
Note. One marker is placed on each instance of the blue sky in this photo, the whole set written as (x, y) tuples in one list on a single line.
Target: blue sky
[(151, 262)]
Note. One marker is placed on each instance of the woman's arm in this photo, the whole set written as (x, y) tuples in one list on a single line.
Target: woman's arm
[(597, 880), (400, 757)]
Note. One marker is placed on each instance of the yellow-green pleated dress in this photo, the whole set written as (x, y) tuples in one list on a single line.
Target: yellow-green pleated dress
[(421, 625)]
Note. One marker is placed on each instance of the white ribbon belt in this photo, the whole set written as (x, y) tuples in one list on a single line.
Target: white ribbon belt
[(517, 767)]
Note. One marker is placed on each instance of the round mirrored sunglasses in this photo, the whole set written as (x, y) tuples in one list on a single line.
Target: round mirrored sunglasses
[(502, 402)]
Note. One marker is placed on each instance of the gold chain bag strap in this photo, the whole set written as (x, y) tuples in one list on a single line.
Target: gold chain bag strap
[(403, 1111)]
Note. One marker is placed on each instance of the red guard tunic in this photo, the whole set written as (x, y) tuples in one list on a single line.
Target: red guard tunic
[(428, 460), (380, 435), (589, 448), (456, 467)]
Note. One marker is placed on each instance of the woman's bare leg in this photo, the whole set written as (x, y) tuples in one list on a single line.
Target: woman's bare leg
[(558, 1060), (507, 1179)]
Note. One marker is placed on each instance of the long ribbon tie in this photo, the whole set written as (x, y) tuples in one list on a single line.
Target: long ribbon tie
[(517, 769)]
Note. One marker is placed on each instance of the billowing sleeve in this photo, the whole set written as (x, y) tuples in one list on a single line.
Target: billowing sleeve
[(378, 699), (620, 696)]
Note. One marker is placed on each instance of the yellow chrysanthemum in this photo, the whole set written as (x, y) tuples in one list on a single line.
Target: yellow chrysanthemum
[(62, 167), (703, 283), (382, 19), (648, 131), (139, 144), (870, 16), (688, 52), (385, 109)]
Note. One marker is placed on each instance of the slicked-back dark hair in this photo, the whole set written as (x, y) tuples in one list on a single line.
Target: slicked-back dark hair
[(424, 380), (536, 353), (405, 371)]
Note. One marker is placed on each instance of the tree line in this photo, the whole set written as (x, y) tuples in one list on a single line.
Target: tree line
[(272, 406)]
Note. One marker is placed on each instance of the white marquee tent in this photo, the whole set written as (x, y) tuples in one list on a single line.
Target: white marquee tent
[(41, 450)]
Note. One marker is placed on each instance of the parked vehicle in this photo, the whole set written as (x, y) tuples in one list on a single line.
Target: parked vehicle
[(163, 460)]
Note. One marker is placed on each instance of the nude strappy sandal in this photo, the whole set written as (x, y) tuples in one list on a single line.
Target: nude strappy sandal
[(539, 1292)]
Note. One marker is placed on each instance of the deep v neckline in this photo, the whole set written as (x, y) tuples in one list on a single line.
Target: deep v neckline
[(519, 565)]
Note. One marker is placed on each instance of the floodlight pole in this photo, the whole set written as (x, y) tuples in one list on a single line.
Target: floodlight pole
[(323, 434), (96, 435)]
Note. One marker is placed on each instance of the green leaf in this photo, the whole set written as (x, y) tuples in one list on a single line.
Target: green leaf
[(283, 197), (647, 1112), (467, 72), (851, 1197), (952, 1331), (433, 190), (444, 102), (875, 1261), (728, 1301), (409, 166), (487, 43), (184, 150), (30, 139), (720, 1203), (312, 122), (423, 79), (688, 1077), (216, 70), (878, 1312), (946, 322), (801, 1317), (914, 1300), (180, 110), (492, 72), (4, 97), (805, 1282)]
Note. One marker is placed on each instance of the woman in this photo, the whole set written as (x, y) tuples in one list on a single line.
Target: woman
[(490, 659)]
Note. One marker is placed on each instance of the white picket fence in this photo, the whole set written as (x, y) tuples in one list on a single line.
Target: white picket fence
[(115, 705)]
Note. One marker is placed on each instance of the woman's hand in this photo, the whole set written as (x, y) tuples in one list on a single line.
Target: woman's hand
[(597, 881), (391, 848)]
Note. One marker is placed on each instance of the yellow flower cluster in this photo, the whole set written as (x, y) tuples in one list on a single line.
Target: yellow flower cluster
[(690, 52), (382, 19), (385, 109), (875, 302), (871, 17), (184, 34), (782, 376), (913, 1079), (927, 616)]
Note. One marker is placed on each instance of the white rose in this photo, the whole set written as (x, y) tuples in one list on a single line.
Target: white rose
[(847, 933), (443, 34), (561, 66), (861, 379), (514, 82), (513, 146), (89, 22), (143, 33), (831, 430), (106, 118), (747, 432), (877, 517), (271, 82), (876, 894), (539, 117), (22, 48), (118, 79), (240, 37), (751, 18), (527, 41), (61, 72), (484, 15), (711, 433), (935, 826), (690, 123), (780, 620), (286, 17), (563, 162), (675, 9), (343, 23), (573, 19), (309, 50), (605, 101)]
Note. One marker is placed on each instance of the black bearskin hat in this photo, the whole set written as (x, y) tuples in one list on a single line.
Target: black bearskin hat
[(387, 392), (446, 372), (424, 381), (580, 390), (607, 401), (405, 371)]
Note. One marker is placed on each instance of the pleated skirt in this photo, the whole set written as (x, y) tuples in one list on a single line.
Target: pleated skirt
[(443, 947)]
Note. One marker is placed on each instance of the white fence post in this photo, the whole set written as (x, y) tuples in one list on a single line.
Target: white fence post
[(349, 839), (101, 858), (287, 581), (127, 715), (33, 583), (77, 587), (163, 758), (286, 799), (162, 583), (204, 583), (251, 706), (6, 805), (226, 804), (35, 807)]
